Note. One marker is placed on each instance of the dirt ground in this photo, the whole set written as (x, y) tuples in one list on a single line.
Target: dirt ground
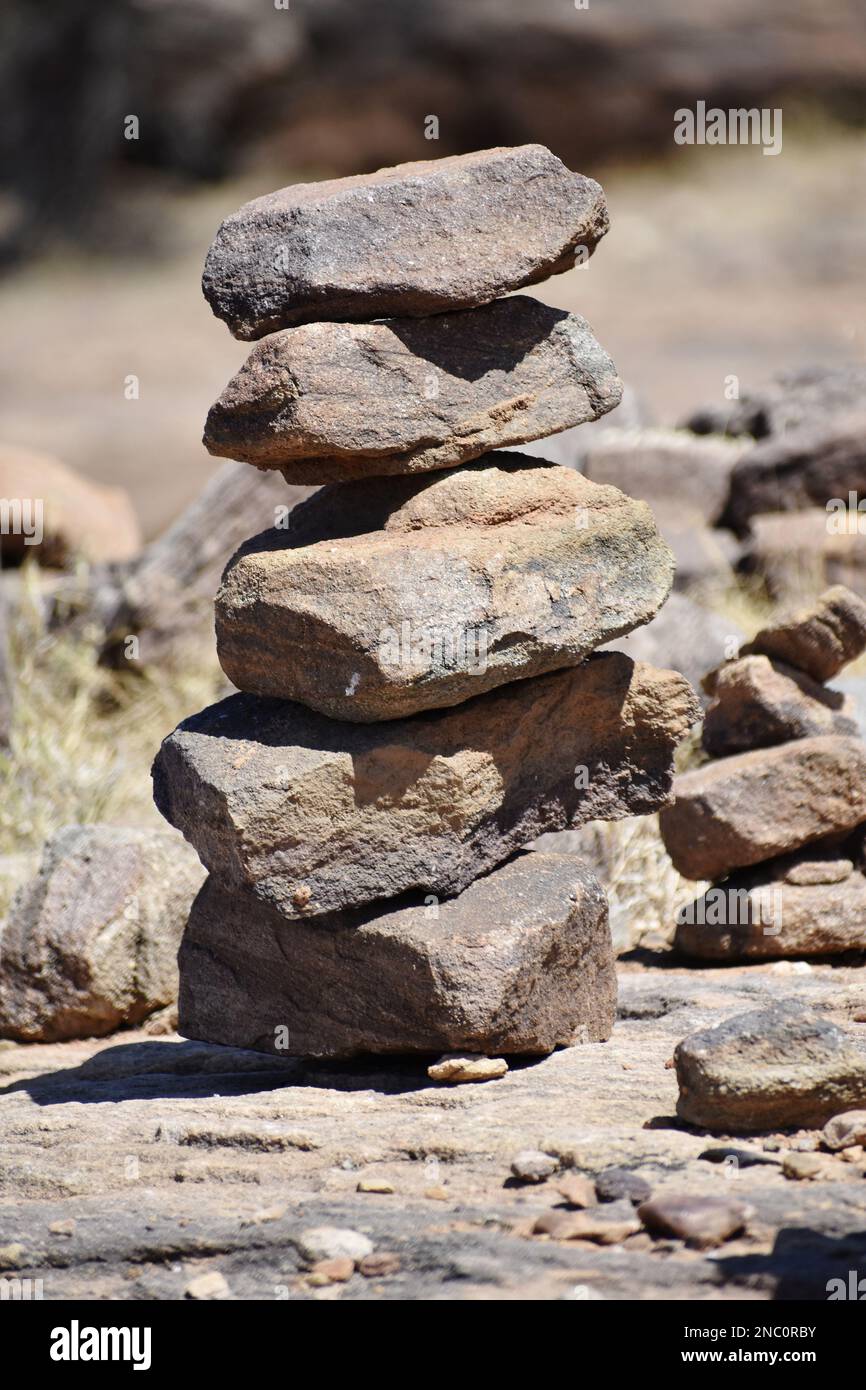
[(132, 1165)]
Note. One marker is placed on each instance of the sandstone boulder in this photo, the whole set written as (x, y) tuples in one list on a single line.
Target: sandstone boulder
[(90, 944), (753, 806), (520, 962), (417, 239), (757, 702), (397, 595), (773, 1068), (314, 815), (330, 401), (820, 639)]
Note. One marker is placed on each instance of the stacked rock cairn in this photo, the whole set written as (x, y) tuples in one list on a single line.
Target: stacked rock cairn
[(777, 820), (421, 695)]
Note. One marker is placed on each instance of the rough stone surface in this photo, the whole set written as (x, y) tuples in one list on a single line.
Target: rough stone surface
[(820, 639), (791, 907), (328, 402), (416, 239), (702, 1222), (756, 702), (90, 943), (776, 1067), (684, 636), (240, 1153), (397, 595), (846, 1131), (531, 1165), (62, 514), (753, 806), (315, 815), (521, 961)]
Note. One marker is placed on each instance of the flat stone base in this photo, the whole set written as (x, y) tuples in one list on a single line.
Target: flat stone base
[(520, 962)]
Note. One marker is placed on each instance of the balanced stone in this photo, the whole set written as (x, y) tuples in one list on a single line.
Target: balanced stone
[(329, 401), (520, 962), (805, 904), (314, 814), (397, 595), (417, 239), (753, 806), (820, 639), (757, 702), (772, 1068)]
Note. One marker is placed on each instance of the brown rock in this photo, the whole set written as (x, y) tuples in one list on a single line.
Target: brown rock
[(397, 595), (753, 806), (606, 1225), (577, 1190), (814, 465), (52, 513), (90, 943), (802, 1166), (820, 639), (701, 1222), (314, 815), (678, 473), (520, 962), (379, 1265), (328, 402), (334, 1271), (790, 907), (417, 239), (797, 555), (772, 1068), (757, 702)]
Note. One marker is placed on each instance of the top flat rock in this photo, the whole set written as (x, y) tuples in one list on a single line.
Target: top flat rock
[(416, 239)]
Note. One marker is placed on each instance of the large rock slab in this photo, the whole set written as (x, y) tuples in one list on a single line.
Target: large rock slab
[(757, 702), (520, 962), (314, 815), (773, 1068), (329, 401), (819, 639), (753, 806), (90, 943), (417, 239), (391, 596), (805, 904)]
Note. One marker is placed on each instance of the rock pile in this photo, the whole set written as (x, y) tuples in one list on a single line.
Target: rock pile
[(777, 819), (421, 691)]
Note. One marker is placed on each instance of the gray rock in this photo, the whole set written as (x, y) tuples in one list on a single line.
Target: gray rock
[(675, 471), (521, 962), (332, 1243), (777, 1067), (90, 943), (810, 467), (531, 1165), (327, 402), (846, 1131), (395, 595), (790, 402), (315, 815), (417, 239), (618, 1184), (756, 702), (753, 806)]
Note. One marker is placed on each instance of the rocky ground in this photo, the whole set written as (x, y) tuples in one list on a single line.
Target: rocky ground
[(135, 1165)]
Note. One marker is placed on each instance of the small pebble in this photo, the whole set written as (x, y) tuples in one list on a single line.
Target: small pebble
[(612, 1184), (578, 1191), (12, 1256), (802, 1165), (772, 1146), (63, 1228), (807, 1145), (531, 1165), (701, 1222), (607, 1225), (208, 1286), (332, 1271), (791, 967), (374, 1185), (855, 1155), (437, 1194), (380, 1265), (846, 1131), (333, 1243), (456, 1067)]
